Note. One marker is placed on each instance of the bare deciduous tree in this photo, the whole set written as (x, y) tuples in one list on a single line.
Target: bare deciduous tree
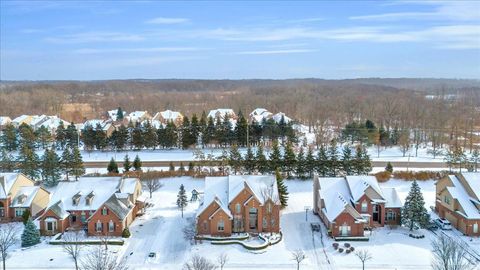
[(364, 256), (222, 260), (151, 182), (199, 263), (449, 254), (71, 245), (8, 238), (298, 256), (189, 230), (101, 259)]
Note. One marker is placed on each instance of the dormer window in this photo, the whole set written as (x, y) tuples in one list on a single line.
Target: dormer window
[(89, 198), (104, 211), (22, 198), (76, 198)]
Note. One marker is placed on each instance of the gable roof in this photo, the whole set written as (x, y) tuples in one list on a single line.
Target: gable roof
[(25, 196), (278, 117), (359, 183), (170, 115), (4, 120), (392, 198), (120, 207), (473, 180), (335, 194), (221, 113), (58, 209), (467, 203), (6, 182)]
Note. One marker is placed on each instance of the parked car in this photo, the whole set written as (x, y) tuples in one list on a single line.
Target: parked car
[(152, 257), (432, 225), (443, 224)]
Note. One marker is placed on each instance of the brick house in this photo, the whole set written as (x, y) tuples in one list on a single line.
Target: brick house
[(458, 200), (347, 205), (236, 204), (19, 193), (99, 205)]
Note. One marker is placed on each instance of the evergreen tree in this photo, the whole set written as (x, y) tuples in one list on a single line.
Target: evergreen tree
[(366, 162), (149, 136), (127, 165), (112, 166), (181, 169), (171, 135), (194, 129), (27, 136), (137, 164), (310, 163), (358, 163), (389, 168), (191, 167), (241, 130), (187, 135), (333, 162), (182, 199), (29, 162), (475, 159), (30, 235), (262, 162), (250, 161), (7, 163), (275, 159), (414, 214), (51, 173), (60, 136), (120, 114), (26, 216), (235, 159), (89, 137), (121, 139), (66, 162), (301, 168), (100, 137), (71, 135), (44, 137), (289, 160), (77, 168), (282, 189), (209, 134), (171, 167), (9, 138), (137, 137), (322, 162), (347, 160)]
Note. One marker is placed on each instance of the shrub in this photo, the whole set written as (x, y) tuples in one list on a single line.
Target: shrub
[(389, 168), (352, 249), (419, 176), (335, 245), (126, 233), (383, 176), (347, 245), (340, 250), (348, 251)]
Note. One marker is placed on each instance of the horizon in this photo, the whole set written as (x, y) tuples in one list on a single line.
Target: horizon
[(341, 40)]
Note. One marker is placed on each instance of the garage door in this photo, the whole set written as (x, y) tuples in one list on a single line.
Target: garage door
[(451, 218), (462, 226)]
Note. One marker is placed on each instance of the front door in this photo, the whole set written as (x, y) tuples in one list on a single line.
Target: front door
[(51, 226), (376, 213), (345, 230), (253, 218), (237, 223)]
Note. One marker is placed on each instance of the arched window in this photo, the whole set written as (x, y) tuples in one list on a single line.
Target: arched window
[(364, 206), (104, 211), (238, 208), (221, 225)]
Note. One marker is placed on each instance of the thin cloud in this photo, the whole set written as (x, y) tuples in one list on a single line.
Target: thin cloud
[(275, 52), (139, 50), (86, 37), (165, 20)]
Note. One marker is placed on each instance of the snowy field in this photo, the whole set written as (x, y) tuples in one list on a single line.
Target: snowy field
[(160, 231)]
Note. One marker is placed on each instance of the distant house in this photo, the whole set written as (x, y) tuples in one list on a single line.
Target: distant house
[(347, 205), (234, 204), (51, 123), (138, 116), (458, 200), (113, 114), (19, 193), (99, 205), (4, 120), (106, 125), (27, 119), (278, 118), (221, 113), (259, 114), (169, 116)]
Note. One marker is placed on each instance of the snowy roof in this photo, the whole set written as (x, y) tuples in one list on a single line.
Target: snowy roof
[(4, 120), (25, 196), (278, 117), (221, 113), (224, 189), (170, 115), (459, 193), (6, 182), (259, 111), (136, 115), (335, 194), (391, 196), (38, 119), (473, 180), (128, 185), (52, 122), (93, 122), (113, 114), (359, 183), (59, 209), (119, 206), (24, 118)]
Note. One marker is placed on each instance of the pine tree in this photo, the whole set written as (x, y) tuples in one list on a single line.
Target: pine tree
[(191, 167), (7, 163), (100, 137), (389, 168), (27, 136), (241, 130), (414, 213), (77, 168), (187, 136), (289, 160), (89, 137), (149, 136), (366, 163), (475, 159), (275, 159), (333, 162), (51, 168), (282, 189), (347, 160), (112, 166), (30, 235), (127, 165), (235, 159), (322, 162), (182, 199), (121, 138), (181, 169), (9, 138), (358, 165), (209, 134), (120, 114), (171, 167), (60, 136), (44, 137), (66, 162), (194, 129), (250, 161), (137, 137), (262, 162), (29, 162), (137, 164), (71, 135), (301, 168), (310, 163)]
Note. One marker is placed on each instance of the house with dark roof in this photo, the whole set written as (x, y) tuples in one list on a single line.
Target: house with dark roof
[(239, 203), (458, 200), (347, 205), (98, 205)]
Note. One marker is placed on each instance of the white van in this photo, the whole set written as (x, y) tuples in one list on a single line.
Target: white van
[(443, 224)]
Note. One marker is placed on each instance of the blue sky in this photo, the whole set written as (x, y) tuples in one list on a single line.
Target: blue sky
[(89, 40)]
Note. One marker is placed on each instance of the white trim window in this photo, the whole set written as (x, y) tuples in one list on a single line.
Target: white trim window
[(221, 225), (111, 226), (98, 226), (446, 199), (364, 206), (475, 227), (391, 216), (264, 222), (104, 211), (269, 208), (19, 212), (238, 208)]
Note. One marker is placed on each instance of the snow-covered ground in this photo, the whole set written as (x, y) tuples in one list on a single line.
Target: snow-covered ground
[(160, 230)]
